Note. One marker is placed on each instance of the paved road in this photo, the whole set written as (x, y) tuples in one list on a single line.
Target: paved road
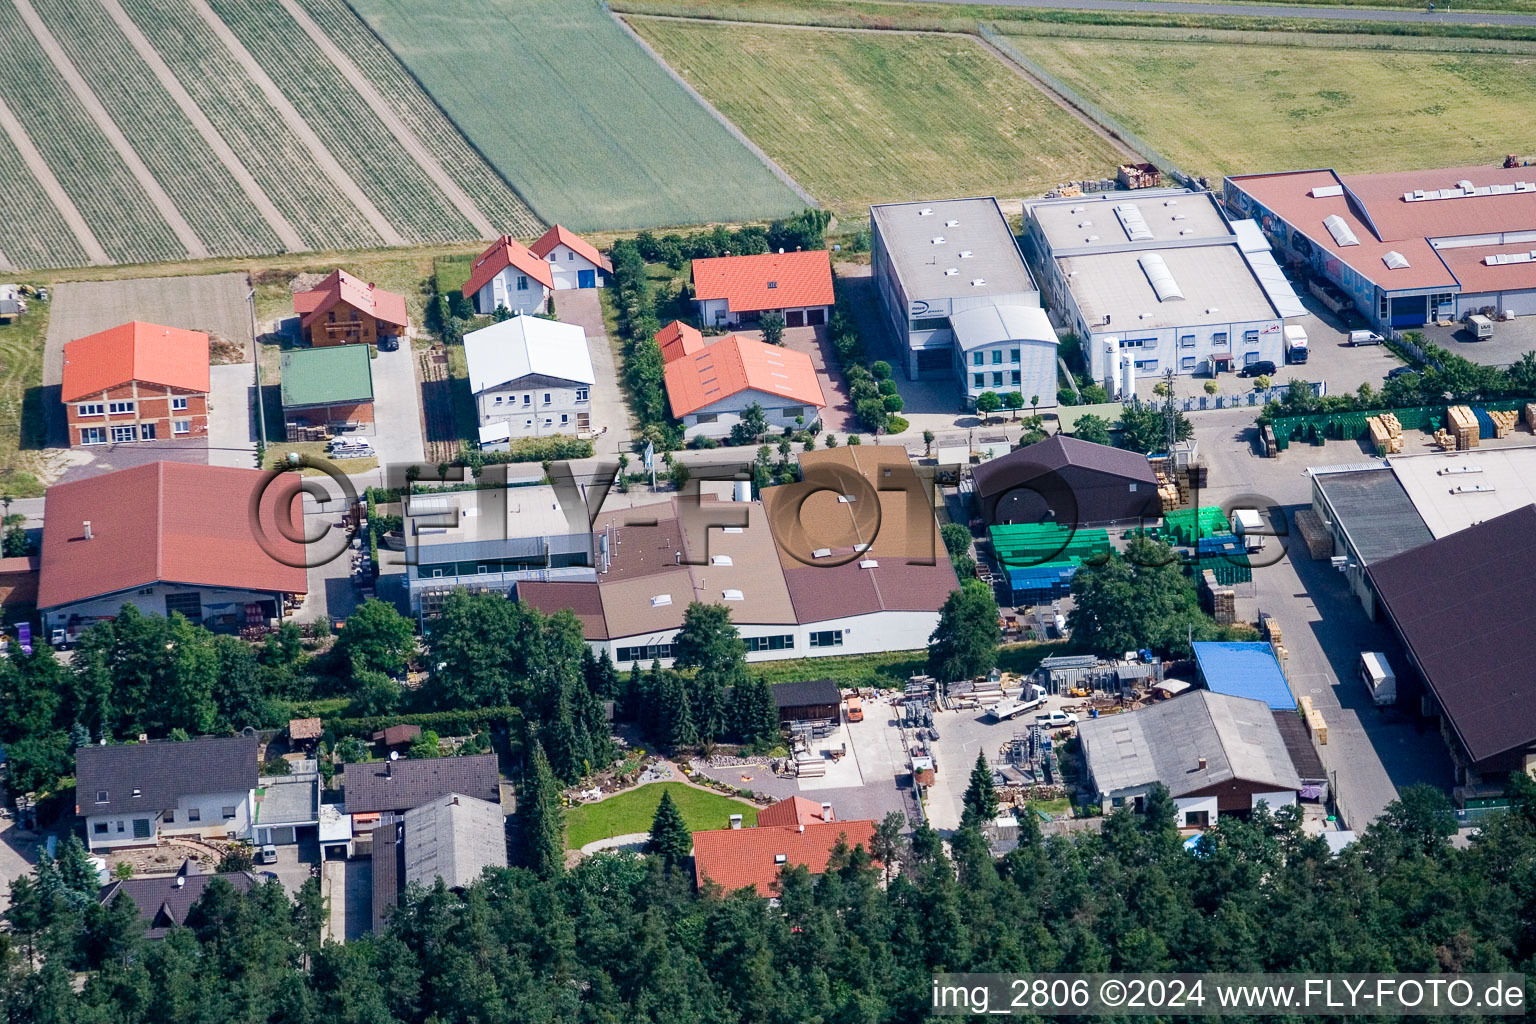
[(397, 407), (583, 307), (232, 416), (1269, 11)]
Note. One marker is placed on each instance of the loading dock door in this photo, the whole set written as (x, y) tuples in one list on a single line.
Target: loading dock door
[(1410, 311)]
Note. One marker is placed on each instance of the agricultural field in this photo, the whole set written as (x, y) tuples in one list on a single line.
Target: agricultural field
[(312, 164), (576, 115), (861, 117), (1217, 108)]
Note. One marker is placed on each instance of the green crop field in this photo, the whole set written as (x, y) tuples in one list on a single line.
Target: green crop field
[(576, 115), (1217, 108), (861, 117)]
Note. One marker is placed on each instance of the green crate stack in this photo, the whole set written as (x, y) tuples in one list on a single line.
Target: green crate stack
[(1034, 543), (1185, 526), (1229, 570)]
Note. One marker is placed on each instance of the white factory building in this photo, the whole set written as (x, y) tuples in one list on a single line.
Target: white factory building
[(960, 300), (1157, 280)]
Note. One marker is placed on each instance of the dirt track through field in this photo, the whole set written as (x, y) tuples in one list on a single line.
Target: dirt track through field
[(403, 135), (50, 185), (296, 124), (167, 78), (130, 157)]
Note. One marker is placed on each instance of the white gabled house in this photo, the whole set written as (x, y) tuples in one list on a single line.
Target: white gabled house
[(574, 262), (508, 274), (530, 377)]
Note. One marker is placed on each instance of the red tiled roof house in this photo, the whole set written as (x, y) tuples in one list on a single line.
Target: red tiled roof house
[(797, 832), (733, 290), (344, 310), (172, 537), (712, 381), (573, 261), (136, 382), (507, 274)]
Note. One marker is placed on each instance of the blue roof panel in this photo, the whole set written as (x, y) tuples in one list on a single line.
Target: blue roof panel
[(1245, 670)]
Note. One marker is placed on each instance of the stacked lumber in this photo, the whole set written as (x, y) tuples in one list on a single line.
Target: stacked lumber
[(1319, 540), (1269, 627), (1462, 425), (1503, 421), (1223, 600), (1315, 724), (1383, 439), (1530, 415)]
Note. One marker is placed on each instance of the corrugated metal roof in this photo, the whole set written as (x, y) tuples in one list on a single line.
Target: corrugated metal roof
[(1244, 670), (1374, 511)]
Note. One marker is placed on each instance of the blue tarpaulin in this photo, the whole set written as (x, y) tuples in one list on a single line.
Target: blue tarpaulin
[(1244, 670)]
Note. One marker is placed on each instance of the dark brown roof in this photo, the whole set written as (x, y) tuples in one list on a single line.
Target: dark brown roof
[(406, 783), (162, 903), (395, 735), (388, 871), (1298, 743), (584, 600), (1054, 454), (806, 692), (161, 773), (1460, 606)]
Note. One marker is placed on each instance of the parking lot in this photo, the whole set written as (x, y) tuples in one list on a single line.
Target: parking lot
[(1511, 340), (1371, 753)]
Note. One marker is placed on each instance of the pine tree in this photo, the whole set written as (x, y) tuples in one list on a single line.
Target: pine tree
[(562, 740), (980, 801), (754, 716), (540, 819), (673, 726), (601, 675), (76, 873), (670, 837)]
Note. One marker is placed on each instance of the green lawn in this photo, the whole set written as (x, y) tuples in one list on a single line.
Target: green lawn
[(587, 127), (890, 668), (632, 812), (859, 118), (22, 426), (1217, 108)]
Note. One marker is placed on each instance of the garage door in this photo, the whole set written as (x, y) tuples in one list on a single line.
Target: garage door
[(815, 317), (794, 318), (1410, 311)]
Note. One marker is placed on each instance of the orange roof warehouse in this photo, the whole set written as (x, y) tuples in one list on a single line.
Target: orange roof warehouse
[(1405, 248)]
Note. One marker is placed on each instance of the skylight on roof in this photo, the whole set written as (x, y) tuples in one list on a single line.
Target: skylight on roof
[(1341, 232), (661, 600), (869, 563), (773, 284), (732, 595), (1133, 222), (1327, 191), (1160, 277), (1500, 259), (1395, 260), (821, 553), (720, 560)]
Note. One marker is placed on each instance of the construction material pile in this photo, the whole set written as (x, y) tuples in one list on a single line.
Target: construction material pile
[(1386, 434), (1170, 483), (1503, 421), (1314, 719), (1462, 426)]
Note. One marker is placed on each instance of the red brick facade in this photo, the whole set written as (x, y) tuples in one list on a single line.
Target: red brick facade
[(144, 409)]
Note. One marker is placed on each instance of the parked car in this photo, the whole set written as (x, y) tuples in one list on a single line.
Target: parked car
[(388, 343), (1055, 720), (1365, 338), (268, 855), (1263, 366), (1401, 371)]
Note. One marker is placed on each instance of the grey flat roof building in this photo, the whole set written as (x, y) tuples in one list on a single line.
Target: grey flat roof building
[(1215, 283), (1372, 510), (977, 243)]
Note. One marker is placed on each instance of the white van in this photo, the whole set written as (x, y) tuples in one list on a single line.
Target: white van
[(1378, 678), (1365, 338)]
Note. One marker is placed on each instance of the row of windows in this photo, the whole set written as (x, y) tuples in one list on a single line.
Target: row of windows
[(788, 414), (141, 825), (582, 395), (979, 380), (827, 638), (129, 432), (756, 644), (1218, 340), (120, 408), (978, 358), (648, 653)]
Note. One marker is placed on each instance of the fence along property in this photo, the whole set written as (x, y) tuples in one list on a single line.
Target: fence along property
[(1318, 428)]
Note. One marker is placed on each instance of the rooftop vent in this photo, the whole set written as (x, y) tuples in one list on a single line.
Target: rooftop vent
[(938, 239), (1395, 260), (1209, 310), (1085, 223), (822, 553), (951, 271), (951, 223), (773, 284), (869, 563), (720, 560), (1161, 279), (1341, 232), (731, 595), (966, 254), (661, 600), (1079, 209), (1091, 238), (926, 211), (1327, 191), (977, 282)]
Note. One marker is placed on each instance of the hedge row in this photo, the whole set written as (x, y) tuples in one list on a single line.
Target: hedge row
[(445, 723)]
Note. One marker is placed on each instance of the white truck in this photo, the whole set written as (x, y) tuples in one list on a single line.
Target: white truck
[(1029, 698), (1378, 678), (1249, 525), (1295, 343), (1056, 720)]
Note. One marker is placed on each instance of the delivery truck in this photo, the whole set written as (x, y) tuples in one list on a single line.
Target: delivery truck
[(1033, 696), (1295, 343), (1378, 678)]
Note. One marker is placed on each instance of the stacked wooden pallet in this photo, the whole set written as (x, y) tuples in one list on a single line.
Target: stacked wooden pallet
[(1319, 540), (1315, 723), (1445, 440), (1462, 425), (1503, 421), (1530, 415), (1223, 600), (1170, 485), (1383, 439), (1270, 628)]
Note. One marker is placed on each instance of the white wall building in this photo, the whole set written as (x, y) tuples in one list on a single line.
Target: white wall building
[(937, 267), (1161, 277), (530, 377), (573, 262), (506, 275), (132, 794)]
